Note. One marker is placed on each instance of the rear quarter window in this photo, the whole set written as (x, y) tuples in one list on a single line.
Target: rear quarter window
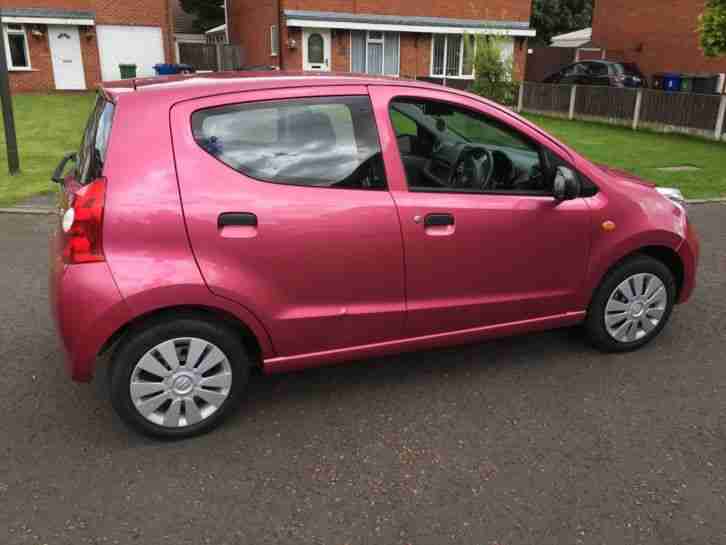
[(94, 145), (319, 142)]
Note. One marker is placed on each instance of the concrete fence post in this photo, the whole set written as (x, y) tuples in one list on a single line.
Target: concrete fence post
[(720, 120), (520, 99), (573, 97), (636, 112)]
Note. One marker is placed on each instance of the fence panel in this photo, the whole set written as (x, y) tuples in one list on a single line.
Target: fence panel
[(231, 57), (200, 56), (680, 109), (608, 102), (547, 98)]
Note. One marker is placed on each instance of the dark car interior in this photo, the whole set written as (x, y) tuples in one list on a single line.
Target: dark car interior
[(447, 148)]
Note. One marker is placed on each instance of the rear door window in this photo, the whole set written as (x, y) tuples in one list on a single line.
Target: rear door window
[(92, 154), (320, 142)]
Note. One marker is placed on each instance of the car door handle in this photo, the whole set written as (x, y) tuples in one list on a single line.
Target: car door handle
[(245, 219), (438, 220)]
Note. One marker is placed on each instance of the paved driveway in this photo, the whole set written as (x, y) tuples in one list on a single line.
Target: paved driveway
[(534, 440)]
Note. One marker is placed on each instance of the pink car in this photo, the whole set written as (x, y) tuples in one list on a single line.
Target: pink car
[(213, 224)]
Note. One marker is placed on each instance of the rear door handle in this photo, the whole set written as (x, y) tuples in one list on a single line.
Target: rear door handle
[(438, 220), (245, 219)]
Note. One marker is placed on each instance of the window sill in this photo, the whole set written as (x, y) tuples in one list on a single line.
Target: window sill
[(451, 77), (23, 70)]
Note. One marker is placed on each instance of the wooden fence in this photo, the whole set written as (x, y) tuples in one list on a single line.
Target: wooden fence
[(690, 113)]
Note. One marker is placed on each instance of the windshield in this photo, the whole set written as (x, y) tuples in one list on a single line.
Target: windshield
[(94, 144)]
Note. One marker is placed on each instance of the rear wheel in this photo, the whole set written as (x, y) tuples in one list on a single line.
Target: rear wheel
[(632, 305), (178, 378)]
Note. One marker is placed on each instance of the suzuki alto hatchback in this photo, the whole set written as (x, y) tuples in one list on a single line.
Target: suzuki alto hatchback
[(213, 224)]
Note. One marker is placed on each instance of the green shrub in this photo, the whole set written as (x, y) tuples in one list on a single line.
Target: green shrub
[(493, 73), (713, 28)]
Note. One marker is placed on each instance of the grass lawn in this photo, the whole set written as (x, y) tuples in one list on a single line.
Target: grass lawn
[(47, 126), (643, 152)]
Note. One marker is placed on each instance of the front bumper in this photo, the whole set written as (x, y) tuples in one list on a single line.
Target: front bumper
[(88, 309), (689, 253)]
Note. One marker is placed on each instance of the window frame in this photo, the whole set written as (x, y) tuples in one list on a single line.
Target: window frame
[(543, 152), (313, 99), (22, 31), (459, 74), (382, 41), (274, 41)]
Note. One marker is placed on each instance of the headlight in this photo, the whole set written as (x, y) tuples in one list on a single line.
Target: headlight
[(674, 194)]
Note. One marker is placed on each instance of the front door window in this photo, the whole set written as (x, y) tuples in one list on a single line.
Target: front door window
[(315, 49)]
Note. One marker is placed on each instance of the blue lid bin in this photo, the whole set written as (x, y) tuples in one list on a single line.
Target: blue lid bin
[(166, 69), (672, 82)]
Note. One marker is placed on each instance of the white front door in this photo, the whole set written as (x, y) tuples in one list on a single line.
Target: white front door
[(316, 49), (65, 52)]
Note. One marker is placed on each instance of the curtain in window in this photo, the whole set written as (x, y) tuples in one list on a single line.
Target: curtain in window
[(375, 58), (453, 50), (358, 51), (438, 61), (391, 52)]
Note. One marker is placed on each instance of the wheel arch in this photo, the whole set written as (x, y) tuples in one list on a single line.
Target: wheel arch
[(665, 254), (250, 341)]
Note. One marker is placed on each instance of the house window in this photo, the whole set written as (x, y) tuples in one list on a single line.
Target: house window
[(16, 45), (452, 55), (374, 52), (274, 41)]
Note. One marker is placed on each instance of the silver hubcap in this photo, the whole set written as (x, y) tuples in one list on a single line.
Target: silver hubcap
[(636, 307), (180, 382)]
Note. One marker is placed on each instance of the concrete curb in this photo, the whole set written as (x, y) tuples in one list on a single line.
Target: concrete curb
[(27, 210), (707, 201)]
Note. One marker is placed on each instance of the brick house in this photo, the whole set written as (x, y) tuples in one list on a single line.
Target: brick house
[(659, 36), (74, 44), (407, 38)]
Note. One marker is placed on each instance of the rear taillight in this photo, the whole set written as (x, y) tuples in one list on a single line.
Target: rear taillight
[(83, 225)]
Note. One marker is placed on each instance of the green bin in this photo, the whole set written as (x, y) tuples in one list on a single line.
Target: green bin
[(687, 83), (127, 71)]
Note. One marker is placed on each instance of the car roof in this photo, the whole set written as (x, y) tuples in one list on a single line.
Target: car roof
[(183, 87)]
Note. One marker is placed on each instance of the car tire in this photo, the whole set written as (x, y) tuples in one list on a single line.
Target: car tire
[(199, 367), (623, 296)]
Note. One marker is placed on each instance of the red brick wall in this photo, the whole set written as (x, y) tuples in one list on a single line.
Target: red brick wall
[(128, 12), (659, 35), (415, 55), (249, 26), (510, 10)]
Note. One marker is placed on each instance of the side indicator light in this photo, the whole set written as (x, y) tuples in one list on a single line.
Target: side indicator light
[(608, 226)]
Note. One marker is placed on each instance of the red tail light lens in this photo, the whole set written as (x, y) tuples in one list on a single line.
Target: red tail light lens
[(83, 239)]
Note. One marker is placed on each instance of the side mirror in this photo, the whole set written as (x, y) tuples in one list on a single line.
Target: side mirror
[(567, 185)]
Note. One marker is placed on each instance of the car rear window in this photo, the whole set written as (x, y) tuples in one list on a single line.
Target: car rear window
[(94, 145), (320, 142)]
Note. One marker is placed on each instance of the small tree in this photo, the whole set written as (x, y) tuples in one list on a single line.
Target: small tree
[(493, 73), (713, 28), (209, 13)]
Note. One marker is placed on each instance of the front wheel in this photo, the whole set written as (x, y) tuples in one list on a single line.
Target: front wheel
[(632, 305), (178, 378)]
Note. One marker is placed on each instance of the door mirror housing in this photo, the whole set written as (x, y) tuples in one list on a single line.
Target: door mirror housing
[(566, 185)]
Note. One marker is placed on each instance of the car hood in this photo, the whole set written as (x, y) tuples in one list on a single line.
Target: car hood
[(623, 176)]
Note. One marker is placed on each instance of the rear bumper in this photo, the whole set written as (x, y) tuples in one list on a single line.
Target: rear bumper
[(689, 252), (88, 309)]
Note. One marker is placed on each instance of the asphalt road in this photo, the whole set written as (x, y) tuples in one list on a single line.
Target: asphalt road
[(533, 440)]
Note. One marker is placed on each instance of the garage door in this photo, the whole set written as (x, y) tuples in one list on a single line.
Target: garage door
[(139, 45)]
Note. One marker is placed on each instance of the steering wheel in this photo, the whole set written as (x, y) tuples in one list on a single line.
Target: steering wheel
[(473, 168)]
